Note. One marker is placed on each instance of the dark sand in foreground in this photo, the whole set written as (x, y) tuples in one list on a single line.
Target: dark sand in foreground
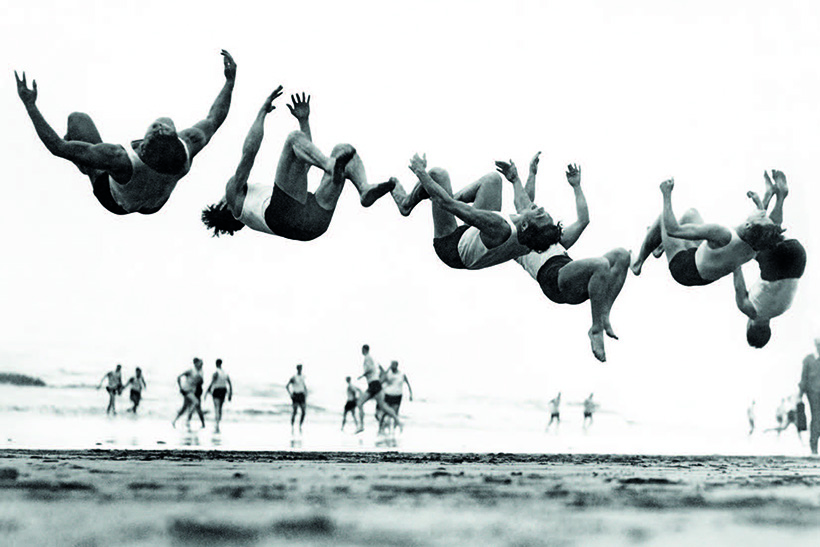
[(95, 498)]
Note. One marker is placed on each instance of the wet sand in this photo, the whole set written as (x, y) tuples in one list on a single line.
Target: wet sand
[(101, 497)]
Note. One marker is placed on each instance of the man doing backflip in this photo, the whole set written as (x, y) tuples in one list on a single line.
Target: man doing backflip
[(286, 208), (137, 177)]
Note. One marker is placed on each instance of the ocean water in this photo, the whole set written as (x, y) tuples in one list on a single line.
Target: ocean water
[(70, 414)]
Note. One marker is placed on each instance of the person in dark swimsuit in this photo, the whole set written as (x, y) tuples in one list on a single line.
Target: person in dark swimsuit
[(286, 208), (137, 177)]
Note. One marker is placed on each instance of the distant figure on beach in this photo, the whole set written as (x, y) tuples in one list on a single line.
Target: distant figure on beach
[(219, 388), (699, 253), (487, 237), (353, 394), (555, 411), (297, 389), (786, 415), (137, 177), (137, 384), (781, 267), (564, 280), (286, 208), (590, 407), (394, 382), (810, 388), (114, 387), (374, 389), (750, 414), (190, 387)]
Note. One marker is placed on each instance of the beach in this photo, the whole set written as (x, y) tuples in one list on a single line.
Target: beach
[(147, 497)]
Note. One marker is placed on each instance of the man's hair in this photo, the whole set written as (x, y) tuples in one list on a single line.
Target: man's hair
[(365, 348), (218, 217), (758, 334), (139, 370), (164, 153), (219, 362), (541, 238), (347, 378), (763, 236)]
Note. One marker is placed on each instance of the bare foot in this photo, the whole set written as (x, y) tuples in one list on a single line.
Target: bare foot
[(636, 265), (373, 193), (657, 252), (596, 338), (608, 329), (340, 164)]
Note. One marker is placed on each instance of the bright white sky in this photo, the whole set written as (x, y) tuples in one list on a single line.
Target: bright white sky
[(712, 93)]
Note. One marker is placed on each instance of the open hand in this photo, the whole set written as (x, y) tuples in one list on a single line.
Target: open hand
[(573, 175), (268, 106), (418, 164), (230, 65), (667, 185), (752, 195), (300, 107), (507, 169), (28, 96), (534, 163)]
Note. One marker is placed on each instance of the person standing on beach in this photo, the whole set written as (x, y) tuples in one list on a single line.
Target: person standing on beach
[(114, 387), (297, 389), (138, 177), (555, 411), (394, 382), (374, 389), (589, 407), (137, 383), (353, 394), (750, 414), (810, 388), (190, 386), (219, 388)]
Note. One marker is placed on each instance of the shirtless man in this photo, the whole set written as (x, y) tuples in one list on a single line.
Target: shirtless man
[(297, 389), (394, 381), (353, 394), (700, 253), (137, 177), (286, 208), (555, 411), (190, 386), (137, 383), (114, 387), (562, 279), (487, 238), (219, 388), (781, 267), (590, 407), (374, 389)]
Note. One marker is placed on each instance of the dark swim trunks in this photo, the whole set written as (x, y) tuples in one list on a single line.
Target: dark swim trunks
[(136, 396), (548, 280), (555, 415), (219, 393), (393, 401), (112, 390), (374, 387), (290, 219), (447, 248), (587, 414), (350, 406), (787, 260), (685, 271), (298, 398), (102, 191)]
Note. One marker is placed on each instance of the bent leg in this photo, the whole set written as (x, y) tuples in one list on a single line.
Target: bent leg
[(485, 193), (298, 155), (657, 241), (444, 222), (407, 202), (81, 127), (348, 165)]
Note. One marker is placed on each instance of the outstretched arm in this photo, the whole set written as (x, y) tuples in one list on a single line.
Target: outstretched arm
[(200, 134), (237, 186), (521, 199), (742, 295), (530, 186), (715, 234), (493, 227), (106, 157), (573, 231)]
